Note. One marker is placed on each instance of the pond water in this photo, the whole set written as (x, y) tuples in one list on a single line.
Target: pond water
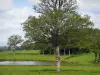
[(27, 63)]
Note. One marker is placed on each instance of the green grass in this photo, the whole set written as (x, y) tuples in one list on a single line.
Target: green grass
[(22, 52), (50, 70), (66, 69), (82, 58), (29, 51), (26, 55), (34, 55)]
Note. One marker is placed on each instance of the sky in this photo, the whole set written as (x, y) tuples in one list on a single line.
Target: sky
[(15, 12)]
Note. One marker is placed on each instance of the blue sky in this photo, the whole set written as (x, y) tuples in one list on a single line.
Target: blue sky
[(22, 3), (15, 12)]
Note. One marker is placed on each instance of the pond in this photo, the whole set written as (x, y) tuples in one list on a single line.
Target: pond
[(37, 63), (27, 63)]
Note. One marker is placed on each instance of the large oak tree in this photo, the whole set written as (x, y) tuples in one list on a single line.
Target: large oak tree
[(57, 19)]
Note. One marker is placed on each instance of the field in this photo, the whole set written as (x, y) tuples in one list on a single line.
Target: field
[(82, 64), (34, 55), (50, 70)]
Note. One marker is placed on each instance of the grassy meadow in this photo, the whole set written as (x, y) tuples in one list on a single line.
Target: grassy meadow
[(35, 55), (50, 70), (83, 64)]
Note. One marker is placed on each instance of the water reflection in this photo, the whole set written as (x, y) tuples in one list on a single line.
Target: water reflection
[(27, 63)]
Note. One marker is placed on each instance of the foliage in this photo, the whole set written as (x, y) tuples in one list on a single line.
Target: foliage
[(3, 48), (14, 41), (27, 45), (58, 20)]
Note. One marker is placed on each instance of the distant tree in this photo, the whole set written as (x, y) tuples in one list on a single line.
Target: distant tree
[(41, 46), (92, 42), (28, 45), (13, 41), (95, 43), (3, 48), (78, 31)]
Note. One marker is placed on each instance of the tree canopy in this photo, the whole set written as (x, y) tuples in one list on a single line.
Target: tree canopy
[(58, 21)]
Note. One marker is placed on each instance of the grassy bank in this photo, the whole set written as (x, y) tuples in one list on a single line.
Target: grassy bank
[(50, 70), (67, 69), (25, 56), (34, 55)]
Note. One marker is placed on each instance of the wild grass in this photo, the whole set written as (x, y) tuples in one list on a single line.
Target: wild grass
[(50, 70), (32, 55), (84, 66)]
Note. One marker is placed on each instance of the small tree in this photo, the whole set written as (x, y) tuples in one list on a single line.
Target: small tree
[(13, 41)]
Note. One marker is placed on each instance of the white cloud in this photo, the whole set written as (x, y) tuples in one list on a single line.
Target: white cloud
[(34, 1), (95, 18), (11, 20), (92, 8), (89, 5), (6, 4)]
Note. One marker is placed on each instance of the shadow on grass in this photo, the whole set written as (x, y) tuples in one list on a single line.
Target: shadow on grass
[(73, 56), (50, 70), (54, 70)]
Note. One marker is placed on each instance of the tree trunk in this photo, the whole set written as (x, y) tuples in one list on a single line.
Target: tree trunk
[(99, 57), (69, 52), (43, 51), (14, 49), (14, 52), (50, 51), (64, 52), (57, 59), (95, 57)]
